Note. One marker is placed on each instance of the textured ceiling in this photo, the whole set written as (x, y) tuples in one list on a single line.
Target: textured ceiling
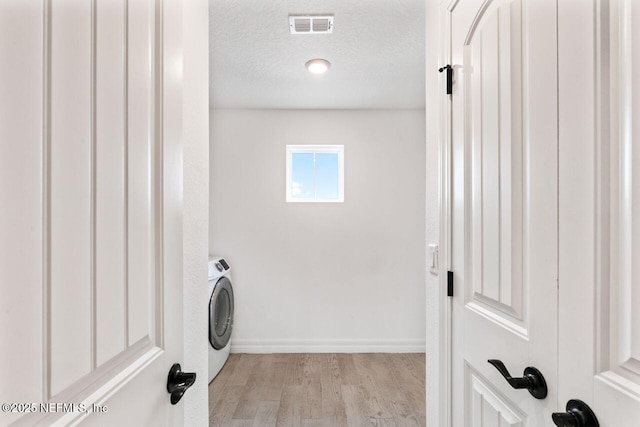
[(376, 52)]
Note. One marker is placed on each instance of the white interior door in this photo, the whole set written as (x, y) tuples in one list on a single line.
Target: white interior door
[(504, 208), (599, 340), (90, 210)]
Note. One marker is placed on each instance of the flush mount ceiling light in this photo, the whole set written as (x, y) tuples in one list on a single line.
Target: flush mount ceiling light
[(318, 66)]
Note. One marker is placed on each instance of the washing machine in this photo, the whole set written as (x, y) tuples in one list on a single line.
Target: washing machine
[(220, 314)]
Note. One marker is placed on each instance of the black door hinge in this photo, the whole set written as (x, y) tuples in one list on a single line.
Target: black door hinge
[(449, 69), (449, 283)]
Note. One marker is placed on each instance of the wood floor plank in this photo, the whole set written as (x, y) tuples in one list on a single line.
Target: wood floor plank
[(255, 388), (381, 369), (267, 413), (312, 390), (316, 364), (273, 389), (405, 369), (294, 374), (315, 367), (238, 423), (215, 393), (404, 414), (247, 406), (374, 378), (333, 410), (261, 370), (383, 422), (311, 399), (290, 410), (221, 380), (416, 399), (347, 369), (419, 363), (243, 369), (355, 406), (222, 411), (229, 367)]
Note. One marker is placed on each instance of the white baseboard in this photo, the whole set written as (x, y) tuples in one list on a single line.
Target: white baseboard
[(327, 346)]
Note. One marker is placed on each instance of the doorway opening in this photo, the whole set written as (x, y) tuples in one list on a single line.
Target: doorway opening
[(329, 316)]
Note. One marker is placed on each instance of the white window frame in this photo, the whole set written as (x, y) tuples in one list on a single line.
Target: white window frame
[(315, 149)]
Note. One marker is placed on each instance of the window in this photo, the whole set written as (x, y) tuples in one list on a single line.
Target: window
[(315, 173)]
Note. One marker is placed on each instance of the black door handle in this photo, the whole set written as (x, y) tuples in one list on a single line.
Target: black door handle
[(178, 382), (533, 380), (578, 414)]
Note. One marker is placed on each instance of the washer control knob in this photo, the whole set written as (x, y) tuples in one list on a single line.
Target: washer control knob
[(219, 267)]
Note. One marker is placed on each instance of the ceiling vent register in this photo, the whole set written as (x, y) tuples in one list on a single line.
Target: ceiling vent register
[(311, 24)]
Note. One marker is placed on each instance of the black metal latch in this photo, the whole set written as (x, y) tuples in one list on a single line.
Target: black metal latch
[(449, 69)]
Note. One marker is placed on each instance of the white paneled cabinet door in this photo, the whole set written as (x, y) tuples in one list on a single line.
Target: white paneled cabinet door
[(504, 209), (90, 205)]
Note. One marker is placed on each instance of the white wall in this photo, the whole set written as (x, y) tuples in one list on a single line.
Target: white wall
[(322, 277), (196, 206)]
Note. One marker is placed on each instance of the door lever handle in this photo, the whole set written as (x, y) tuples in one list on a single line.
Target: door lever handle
[(578, 414), (532, 380), (178, 382)]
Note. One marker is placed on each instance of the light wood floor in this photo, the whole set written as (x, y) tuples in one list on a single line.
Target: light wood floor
[(312, 390)]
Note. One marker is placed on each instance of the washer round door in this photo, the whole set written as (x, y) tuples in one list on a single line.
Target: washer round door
[(221, 314)]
